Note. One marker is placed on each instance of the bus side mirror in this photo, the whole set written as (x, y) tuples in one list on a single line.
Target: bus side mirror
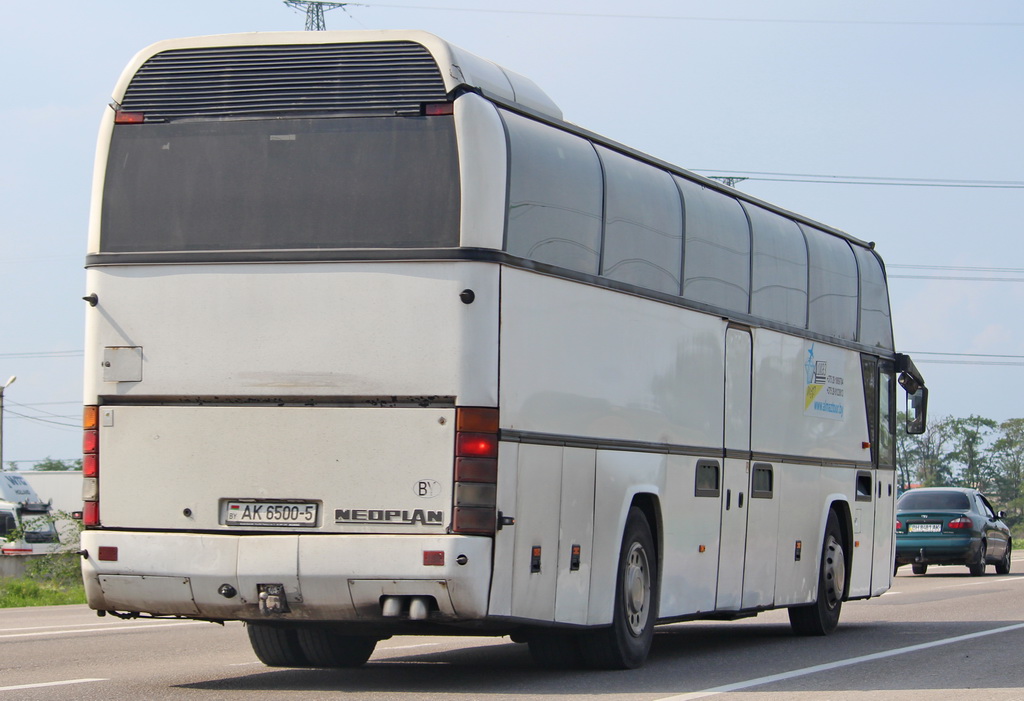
[(917, 410)]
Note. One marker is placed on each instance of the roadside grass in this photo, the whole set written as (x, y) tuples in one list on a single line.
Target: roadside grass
[(24, 591), (49, 581)]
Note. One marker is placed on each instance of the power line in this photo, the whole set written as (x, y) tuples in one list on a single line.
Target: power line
[(766, 176), (689, 18), (45, 354)]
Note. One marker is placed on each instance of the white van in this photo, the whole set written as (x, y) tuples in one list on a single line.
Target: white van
[(19, 504)]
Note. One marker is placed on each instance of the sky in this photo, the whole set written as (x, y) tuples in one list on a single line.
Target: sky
[(911, 112)]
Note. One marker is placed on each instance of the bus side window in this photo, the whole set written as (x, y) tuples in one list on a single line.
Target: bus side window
[(716, 262), (555, 201)]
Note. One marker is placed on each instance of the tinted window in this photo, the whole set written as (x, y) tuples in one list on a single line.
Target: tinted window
[(292, 183), (762, 482), (555, 196), (717, 261), (875, 325), (832, 291), (778, 288), (7, 522), (643, 242), (924, 500), (886, 414)]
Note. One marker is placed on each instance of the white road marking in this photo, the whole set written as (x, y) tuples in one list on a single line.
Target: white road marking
[(104, 629), (45, 684), (738, 686)]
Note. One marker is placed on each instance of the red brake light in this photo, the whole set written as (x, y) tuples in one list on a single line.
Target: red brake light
[(476, 445), (961, 523), (435, 109), (91, 514), (128, 117), (899, 526), (90, 465), (90, 441)]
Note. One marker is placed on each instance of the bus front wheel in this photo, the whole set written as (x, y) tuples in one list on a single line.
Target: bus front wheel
[(822, 617), (625, 644)]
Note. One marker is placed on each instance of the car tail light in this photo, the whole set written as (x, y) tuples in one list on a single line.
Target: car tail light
[(475, 470), (91, 466), (961, 523), (899, 525)]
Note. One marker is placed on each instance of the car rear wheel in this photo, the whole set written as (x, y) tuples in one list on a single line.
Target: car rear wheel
[(1003, 566), (978, 568), (919, 569)]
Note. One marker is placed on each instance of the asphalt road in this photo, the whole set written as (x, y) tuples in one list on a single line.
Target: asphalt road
[(945, 634)]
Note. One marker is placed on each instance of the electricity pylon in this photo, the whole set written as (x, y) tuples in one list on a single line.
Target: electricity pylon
[(314, 10)]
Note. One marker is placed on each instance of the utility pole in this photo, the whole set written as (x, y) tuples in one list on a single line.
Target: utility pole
[(727, 180), (314, 10), (10, 381)]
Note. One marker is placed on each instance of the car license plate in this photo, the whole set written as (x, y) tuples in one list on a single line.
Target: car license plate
[(271, 513), (924, 527)]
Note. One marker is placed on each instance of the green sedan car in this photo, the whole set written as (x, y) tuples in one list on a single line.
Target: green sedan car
[(950, 526)]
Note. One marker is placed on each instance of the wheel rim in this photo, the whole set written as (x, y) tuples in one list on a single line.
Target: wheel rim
[(637, 589), (834, 571)]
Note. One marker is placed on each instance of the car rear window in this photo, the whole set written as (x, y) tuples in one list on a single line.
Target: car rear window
[(923, 501)]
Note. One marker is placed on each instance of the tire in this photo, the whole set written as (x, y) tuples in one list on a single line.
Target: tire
[(978, 568), (822, 617), (276, 646), (326, 648), (1003, 566), (556, 651), (625, 644), (919, 569)]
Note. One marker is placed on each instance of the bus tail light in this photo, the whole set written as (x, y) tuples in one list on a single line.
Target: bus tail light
[(961, 523), (121, 117), (476, 471), (91, 466)]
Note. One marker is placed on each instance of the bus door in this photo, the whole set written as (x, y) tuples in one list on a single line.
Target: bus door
[(884, 457), (735, 474)]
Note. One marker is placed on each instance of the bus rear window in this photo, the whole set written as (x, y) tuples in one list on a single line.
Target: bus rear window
[(282, 184)]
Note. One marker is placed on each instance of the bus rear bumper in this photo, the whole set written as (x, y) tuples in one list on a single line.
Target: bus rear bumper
[(300, 577)]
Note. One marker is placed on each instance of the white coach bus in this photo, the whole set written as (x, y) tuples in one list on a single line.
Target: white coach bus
[(378, 344)]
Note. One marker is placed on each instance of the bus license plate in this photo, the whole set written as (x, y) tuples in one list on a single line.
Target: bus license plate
[(924, 527), (271, 513)]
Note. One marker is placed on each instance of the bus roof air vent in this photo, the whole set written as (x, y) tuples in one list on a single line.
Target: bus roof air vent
[(285, 80)]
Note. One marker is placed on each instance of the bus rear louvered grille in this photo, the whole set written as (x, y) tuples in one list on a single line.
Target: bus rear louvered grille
[(284, 81)]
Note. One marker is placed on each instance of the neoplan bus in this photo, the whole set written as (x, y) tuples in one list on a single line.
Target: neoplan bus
[(378, 344)]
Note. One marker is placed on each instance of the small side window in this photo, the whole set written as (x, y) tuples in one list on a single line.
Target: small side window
[(7, 523), (762, 482), (708, 483), (864, 481)]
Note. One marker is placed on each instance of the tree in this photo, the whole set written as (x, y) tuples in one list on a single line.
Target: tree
[(922, 459), (1007, 460), (968, 436), (51, 465)]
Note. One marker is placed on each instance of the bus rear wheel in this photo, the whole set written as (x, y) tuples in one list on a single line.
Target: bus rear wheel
[(276, 646), (326, 648), (822, 617), (625, 644)]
